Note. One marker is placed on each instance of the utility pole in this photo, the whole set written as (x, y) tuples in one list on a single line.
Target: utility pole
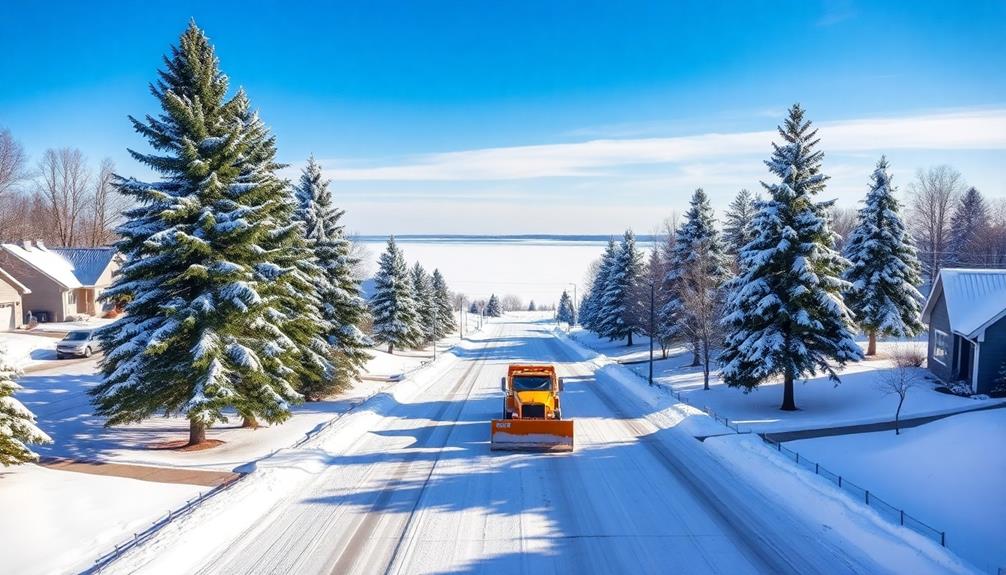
[(576, 310), (653, 332), (433, 332)]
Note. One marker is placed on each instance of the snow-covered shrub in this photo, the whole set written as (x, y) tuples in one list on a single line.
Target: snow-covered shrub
[(78, 317)]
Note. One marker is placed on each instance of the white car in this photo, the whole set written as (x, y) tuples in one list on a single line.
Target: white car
[(79, 343)]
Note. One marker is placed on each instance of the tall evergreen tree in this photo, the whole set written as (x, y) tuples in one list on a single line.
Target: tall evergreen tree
[(444, 309), (697, 243), (618, 306), (885, 268), (342, 305), (591, 314), (396, 318), (737, 231), (222, 306), (565, 311), (493, 308), (17, 423), (474, 308), (968, 224), (786, 315), (422, 293)]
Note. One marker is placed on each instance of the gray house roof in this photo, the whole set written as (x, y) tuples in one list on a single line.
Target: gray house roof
[(976, 298), (88, 263), (71, 268)]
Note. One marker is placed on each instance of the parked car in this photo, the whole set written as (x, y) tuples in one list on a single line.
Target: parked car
[(79, 343)]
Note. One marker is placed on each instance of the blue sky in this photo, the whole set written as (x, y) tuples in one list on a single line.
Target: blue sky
[(520, 117)]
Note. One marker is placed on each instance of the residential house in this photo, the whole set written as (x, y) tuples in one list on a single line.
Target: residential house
[(966, 313), (11, 306), (62, 281)]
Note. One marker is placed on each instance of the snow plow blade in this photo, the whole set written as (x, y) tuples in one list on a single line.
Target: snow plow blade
[(532, 435)]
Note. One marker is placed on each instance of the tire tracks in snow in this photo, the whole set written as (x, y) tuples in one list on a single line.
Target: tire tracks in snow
[(359, 544)]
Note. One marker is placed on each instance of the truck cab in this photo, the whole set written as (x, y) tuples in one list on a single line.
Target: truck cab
[(531, 392)]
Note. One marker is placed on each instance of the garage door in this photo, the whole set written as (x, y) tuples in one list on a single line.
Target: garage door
[(6, 316)]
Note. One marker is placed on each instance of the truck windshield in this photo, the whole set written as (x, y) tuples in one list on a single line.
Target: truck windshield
[(77, 336), (532, 383)]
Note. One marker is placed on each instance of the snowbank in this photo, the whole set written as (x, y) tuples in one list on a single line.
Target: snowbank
[(26, 350), (943, 472)]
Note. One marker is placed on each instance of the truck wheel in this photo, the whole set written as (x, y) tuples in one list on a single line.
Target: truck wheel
[(87, 352)]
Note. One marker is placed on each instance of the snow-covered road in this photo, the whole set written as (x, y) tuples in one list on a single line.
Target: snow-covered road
[(419, 492)]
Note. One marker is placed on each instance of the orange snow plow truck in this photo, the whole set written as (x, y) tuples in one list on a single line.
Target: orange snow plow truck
[(532, 417)]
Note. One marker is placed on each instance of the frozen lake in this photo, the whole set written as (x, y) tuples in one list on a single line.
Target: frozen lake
[(532, 267)]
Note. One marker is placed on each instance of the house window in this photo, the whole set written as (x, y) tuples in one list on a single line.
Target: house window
[(71, 297), (940, 343)]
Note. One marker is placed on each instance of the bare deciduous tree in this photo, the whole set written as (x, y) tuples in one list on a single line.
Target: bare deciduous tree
[(106, 206), (511, 302), (703, 297), (843, 221), (12, 162), (63, 187), (932, 197), (901, 378)]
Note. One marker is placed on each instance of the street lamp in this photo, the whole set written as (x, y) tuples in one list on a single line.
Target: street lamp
[(653, 332)]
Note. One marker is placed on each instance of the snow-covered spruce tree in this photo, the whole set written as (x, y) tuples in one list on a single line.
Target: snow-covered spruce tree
[(968, 224), (219, 314), (396, 318), (696, 243), (422, 294), (737, 231), (785, 314), (618, 305), (445, 324), (474, 308), (493, 307), (591, 308), (342, 306), (531, 306), (885, 268), (565, 311), (17, 423)]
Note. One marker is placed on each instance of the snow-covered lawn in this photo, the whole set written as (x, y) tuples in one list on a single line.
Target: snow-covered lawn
[(27, 350), (949, 473), (59, 521), (857, 399), (58, 397)]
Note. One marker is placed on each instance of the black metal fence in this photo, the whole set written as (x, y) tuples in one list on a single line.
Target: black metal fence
[(885, 509)]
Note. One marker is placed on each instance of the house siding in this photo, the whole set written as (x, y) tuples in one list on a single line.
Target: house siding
[(10, 297), (940, 320), (992, 356), (46, 294)]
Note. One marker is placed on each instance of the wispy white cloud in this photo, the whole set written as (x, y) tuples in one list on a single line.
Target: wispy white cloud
[(966, 130)]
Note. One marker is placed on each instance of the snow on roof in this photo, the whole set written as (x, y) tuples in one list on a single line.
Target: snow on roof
[(975, 298), (88, 263), (46, 261)]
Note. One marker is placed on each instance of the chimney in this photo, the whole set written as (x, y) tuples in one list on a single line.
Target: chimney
[(39, 244), (26, 244)]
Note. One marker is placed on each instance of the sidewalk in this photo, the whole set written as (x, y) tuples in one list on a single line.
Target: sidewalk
[(201, 477), (784, 436)]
